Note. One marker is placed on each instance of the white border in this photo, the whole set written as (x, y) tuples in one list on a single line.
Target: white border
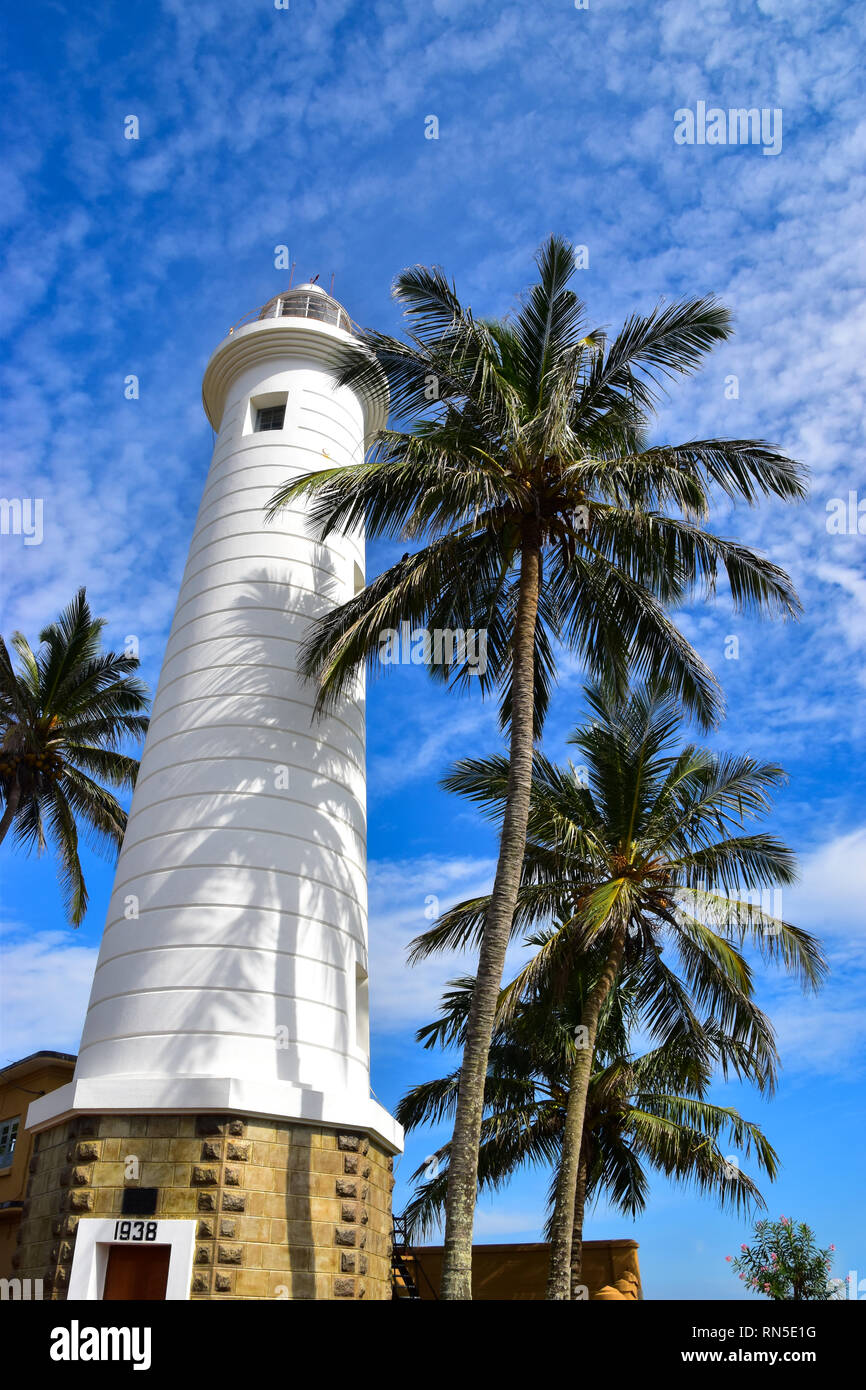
[(95, 1236), (200, 1095)]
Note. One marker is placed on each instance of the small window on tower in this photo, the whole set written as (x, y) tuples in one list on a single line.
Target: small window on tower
[(266, 411), (270, 417)]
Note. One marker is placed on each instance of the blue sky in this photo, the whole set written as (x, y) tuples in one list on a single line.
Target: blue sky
[(306, 127)]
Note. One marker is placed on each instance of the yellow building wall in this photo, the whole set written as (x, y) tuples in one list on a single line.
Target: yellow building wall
[(20, 1083), (610, 1270)]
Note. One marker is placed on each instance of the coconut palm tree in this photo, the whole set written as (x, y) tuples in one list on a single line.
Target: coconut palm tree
[(65, 711), (520, 462), (647, 1111), (639, 849)]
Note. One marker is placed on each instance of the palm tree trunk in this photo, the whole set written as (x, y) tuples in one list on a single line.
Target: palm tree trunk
[(8, 816), (463, 1164), (577, 1229), (559, 1278)]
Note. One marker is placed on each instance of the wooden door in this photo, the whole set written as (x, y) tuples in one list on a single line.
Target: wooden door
[(136, 1272)]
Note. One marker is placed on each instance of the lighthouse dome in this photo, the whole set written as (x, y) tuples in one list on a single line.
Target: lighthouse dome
[(307, 301)]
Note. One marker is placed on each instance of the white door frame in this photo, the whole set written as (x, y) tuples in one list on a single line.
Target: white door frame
[(96, 1235)]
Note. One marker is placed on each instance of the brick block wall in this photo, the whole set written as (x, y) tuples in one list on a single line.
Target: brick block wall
[(283, 1210)]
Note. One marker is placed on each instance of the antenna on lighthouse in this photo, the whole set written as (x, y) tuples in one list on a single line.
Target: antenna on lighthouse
[(292, 276), (331, 290)]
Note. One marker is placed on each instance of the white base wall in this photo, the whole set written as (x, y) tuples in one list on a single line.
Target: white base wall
[(132, 1095)]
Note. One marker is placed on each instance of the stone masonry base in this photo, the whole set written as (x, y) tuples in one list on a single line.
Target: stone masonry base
[(284, 1210)]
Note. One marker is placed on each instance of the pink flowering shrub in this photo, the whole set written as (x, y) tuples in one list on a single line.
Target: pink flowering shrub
[(784, 1263)]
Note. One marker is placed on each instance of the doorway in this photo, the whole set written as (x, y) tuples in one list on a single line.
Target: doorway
[(136, 1272)]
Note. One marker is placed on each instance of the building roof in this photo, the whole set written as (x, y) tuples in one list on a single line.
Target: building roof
[(511, 1247), (33, 1062)]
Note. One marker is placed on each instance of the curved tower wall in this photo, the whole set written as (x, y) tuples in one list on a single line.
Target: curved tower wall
[(232, 972)]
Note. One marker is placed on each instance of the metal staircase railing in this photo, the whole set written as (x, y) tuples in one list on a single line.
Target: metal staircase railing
[(404, 1285)]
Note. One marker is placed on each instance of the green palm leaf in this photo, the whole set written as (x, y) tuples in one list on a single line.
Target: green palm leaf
[(66, 710)]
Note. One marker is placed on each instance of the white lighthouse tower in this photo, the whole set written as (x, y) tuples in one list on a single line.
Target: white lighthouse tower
[(230, 995)]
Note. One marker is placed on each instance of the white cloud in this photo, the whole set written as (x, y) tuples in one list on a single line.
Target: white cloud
[(46, 986), (427, 739), (405, 898), (831, 895), (825, 1034)]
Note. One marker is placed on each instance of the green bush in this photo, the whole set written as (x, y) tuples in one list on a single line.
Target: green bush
[(784, 1262)]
